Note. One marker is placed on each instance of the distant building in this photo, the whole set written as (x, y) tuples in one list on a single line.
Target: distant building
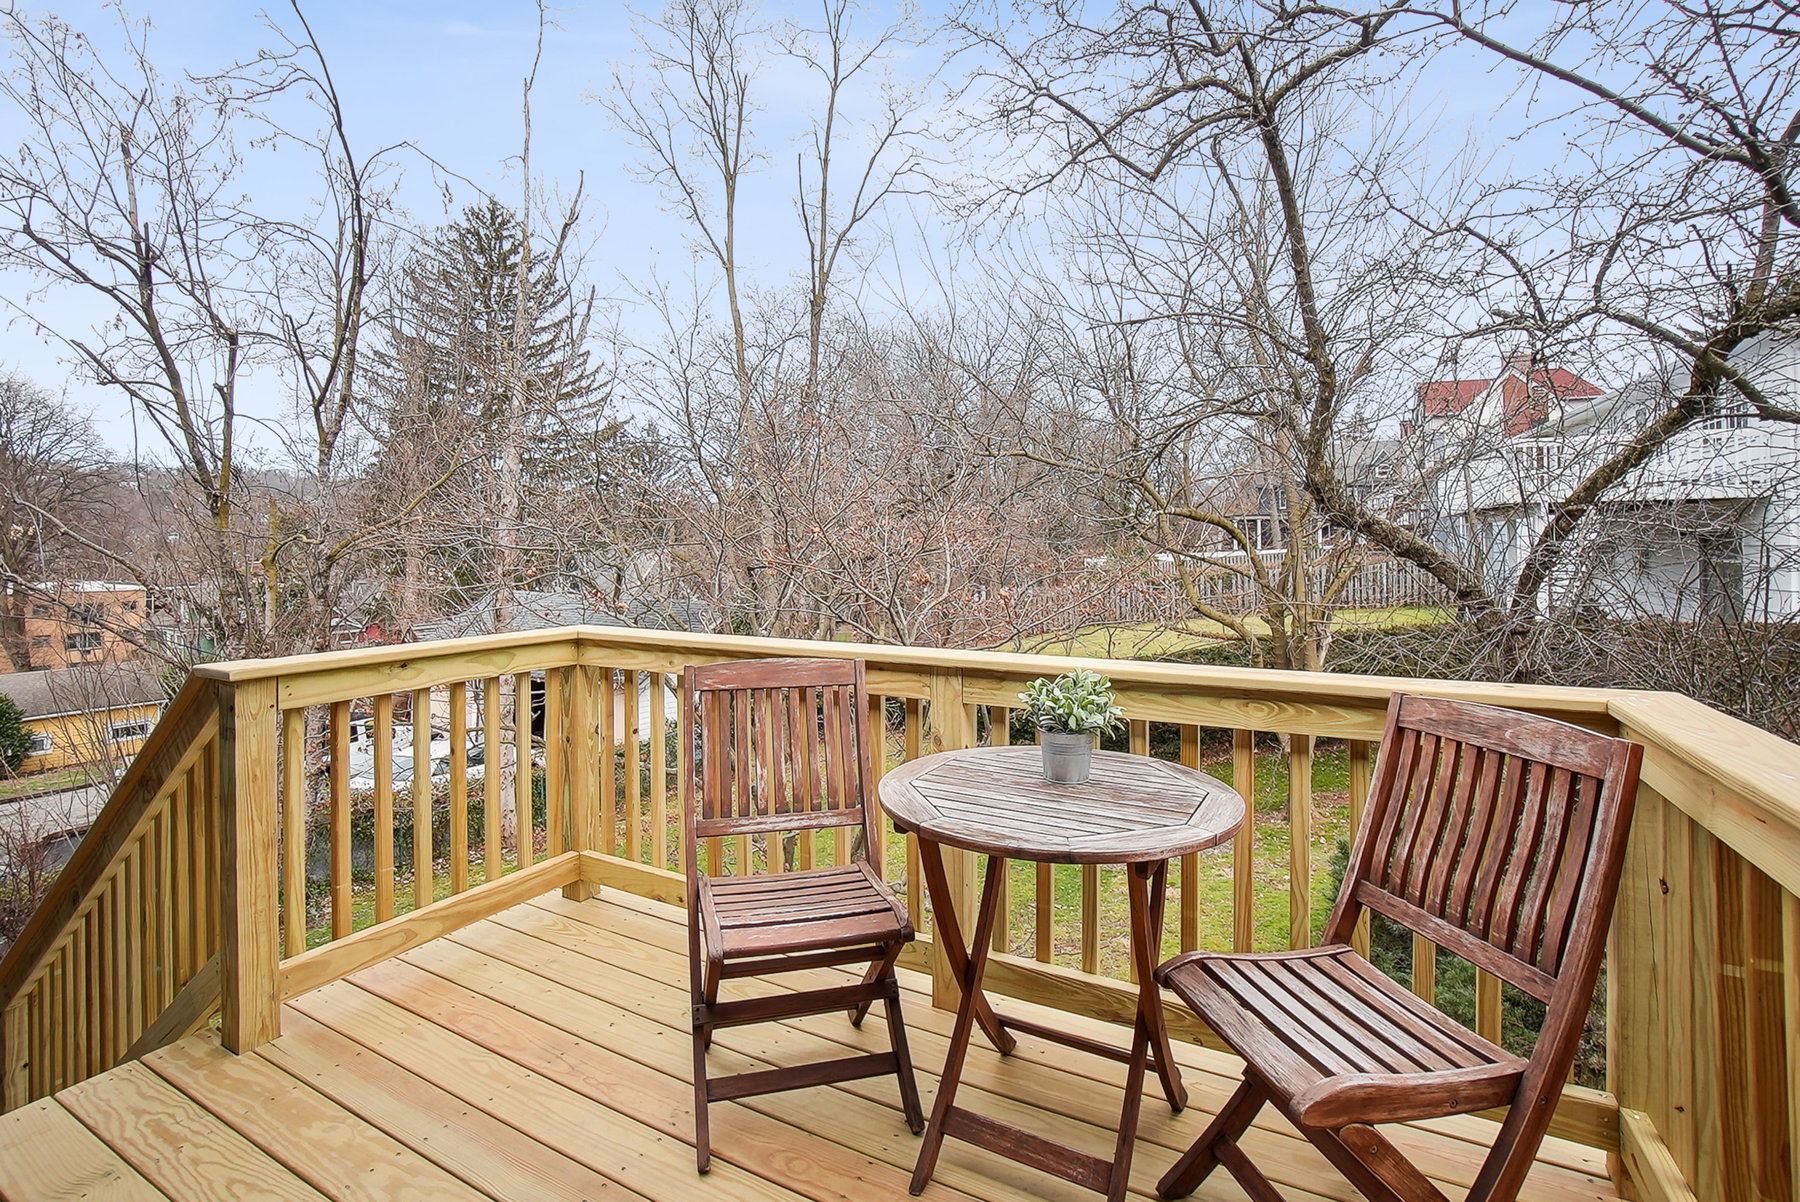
[(91, 714), (1709, 526), (84, 622), (544, 609)]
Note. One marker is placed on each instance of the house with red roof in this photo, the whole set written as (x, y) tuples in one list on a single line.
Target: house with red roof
[(1709, 526)]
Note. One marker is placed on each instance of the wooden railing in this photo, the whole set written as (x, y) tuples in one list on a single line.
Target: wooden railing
[(122, 957), (576, 738)]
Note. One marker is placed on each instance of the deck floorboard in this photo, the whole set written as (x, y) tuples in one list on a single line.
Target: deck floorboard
[(542, 1054)]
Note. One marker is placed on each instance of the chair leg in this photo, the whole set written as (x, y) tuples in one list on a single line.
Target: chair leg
[(702, 1130), (711, 998), (1373, 1165), (1185, 1176), (877, 969), (909, 1088)]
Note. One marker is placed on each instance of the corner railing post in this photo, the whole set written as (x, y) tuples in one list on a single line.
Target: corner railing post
[(249, 959), (950, 726), (581, 749)]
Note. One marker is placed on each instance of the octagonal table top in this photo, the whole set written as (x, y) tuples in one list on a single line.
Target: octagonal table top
[(995, 800)]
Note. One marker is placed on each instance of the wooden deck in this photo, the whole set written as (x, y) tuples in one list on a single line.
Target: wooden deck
[(542, 1054)]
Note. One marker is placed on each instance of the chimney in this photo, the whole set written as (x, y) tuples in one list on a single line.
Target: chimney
[(1518, 363)]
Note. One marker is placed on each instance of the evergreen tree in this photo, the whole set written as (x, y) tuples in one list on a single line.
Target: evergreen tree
[(446, 372), (15, 740)]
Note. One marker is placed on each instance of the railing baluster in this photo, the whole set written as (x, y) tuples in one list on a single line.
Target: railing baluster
[(293, 831), (161, 993), (1424, 968), (341, 901), (181, 901), (1189, 912), (878, 755), (1300, 759), (79, 987), (1360, 773), (459, 786), (634, 766), (915, 890), (607, 763), (1090, 918), (1042, 909), (1243, 844), (492, 864), (200, 817), (1139, 744), (556, 765), (424, 887), (659, 772), (132, 984), (90, 971), (523, 770), (1000, 735), (58, 1071), (384, 807)]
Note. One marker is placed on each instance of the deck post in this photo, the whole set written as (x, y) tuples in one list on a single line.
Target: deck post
[(580, 731), (249, 959), (950, 726)]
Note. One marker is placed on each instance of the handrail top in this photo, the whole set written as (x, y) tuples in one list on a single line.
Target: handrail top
[(1227, 680)]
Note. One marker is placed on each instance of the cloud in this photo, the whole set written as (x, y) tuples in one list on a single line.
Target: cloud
[(468, 29)]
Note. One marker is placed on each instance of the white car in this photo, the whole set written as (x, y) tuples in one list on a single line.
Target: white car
[(362, 762)]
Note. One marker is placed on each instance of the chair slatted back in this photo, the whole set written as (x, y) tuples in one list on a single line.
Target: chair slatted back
[(1496, 834), (782, 746)]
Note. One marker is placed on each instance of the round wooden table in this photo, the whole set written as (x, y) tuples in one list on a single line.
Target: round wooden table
[(1133, 811)]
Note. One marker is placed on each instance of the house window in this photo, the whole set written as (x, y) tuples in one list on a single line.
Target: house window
[(82, 640), (40, 640), (41, 743), (89, 615), (1541, 457), (126, 732), (40, 611), (129, 607)]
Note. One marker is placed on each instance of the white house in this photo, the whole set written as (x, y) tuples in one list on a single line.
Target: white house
[(1709, 526)]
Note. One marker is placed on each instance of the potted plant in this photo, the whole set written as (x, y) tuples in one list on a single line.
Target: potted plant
[(1069, 712)]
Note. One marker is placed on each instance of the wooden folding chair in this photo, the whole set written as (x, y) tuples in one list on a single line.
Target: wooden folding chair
[(784, 747), (1499, 836)]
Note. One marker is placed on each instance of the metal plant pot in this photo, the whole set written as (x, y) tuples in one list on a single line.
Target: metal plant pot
[(1068, 759)]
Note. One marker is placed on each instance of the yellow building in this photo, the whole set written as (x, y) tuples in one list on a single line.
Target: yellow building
[(95, 714)]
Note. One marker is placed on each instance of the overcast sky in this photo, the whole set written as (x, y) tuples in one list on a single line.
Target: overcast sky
[(447, 77)]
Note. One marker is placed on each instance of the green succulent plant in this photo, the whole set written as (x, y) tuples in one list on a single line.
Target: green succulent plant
[(1075, 703)]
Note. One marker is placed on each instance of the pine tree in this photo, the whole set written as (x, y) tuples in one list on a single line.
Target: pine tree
[(445, 368)]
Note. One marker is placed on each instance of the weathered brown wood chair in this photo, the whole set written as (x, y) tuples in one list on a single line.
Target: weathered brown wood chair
[(1497, 835), (783, 747)]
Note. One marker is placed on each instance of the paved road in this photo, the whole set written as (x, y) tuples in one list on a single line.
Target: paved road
[(59, 817)]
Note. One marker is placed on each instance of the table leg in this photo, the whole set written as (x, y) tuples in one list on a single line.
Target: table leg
[(1144, 885), (969, 966), (1149, 996), (952, 947)]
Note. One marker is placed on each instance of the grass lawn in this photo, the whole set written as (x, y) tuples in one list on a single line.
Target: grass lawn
[(1150, 640), (1331, 800), (44, 782), (1330, 809)]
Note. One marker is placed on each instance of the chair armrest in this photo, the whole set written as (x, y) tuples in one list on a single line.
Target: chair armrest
[(1402, 1097)]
